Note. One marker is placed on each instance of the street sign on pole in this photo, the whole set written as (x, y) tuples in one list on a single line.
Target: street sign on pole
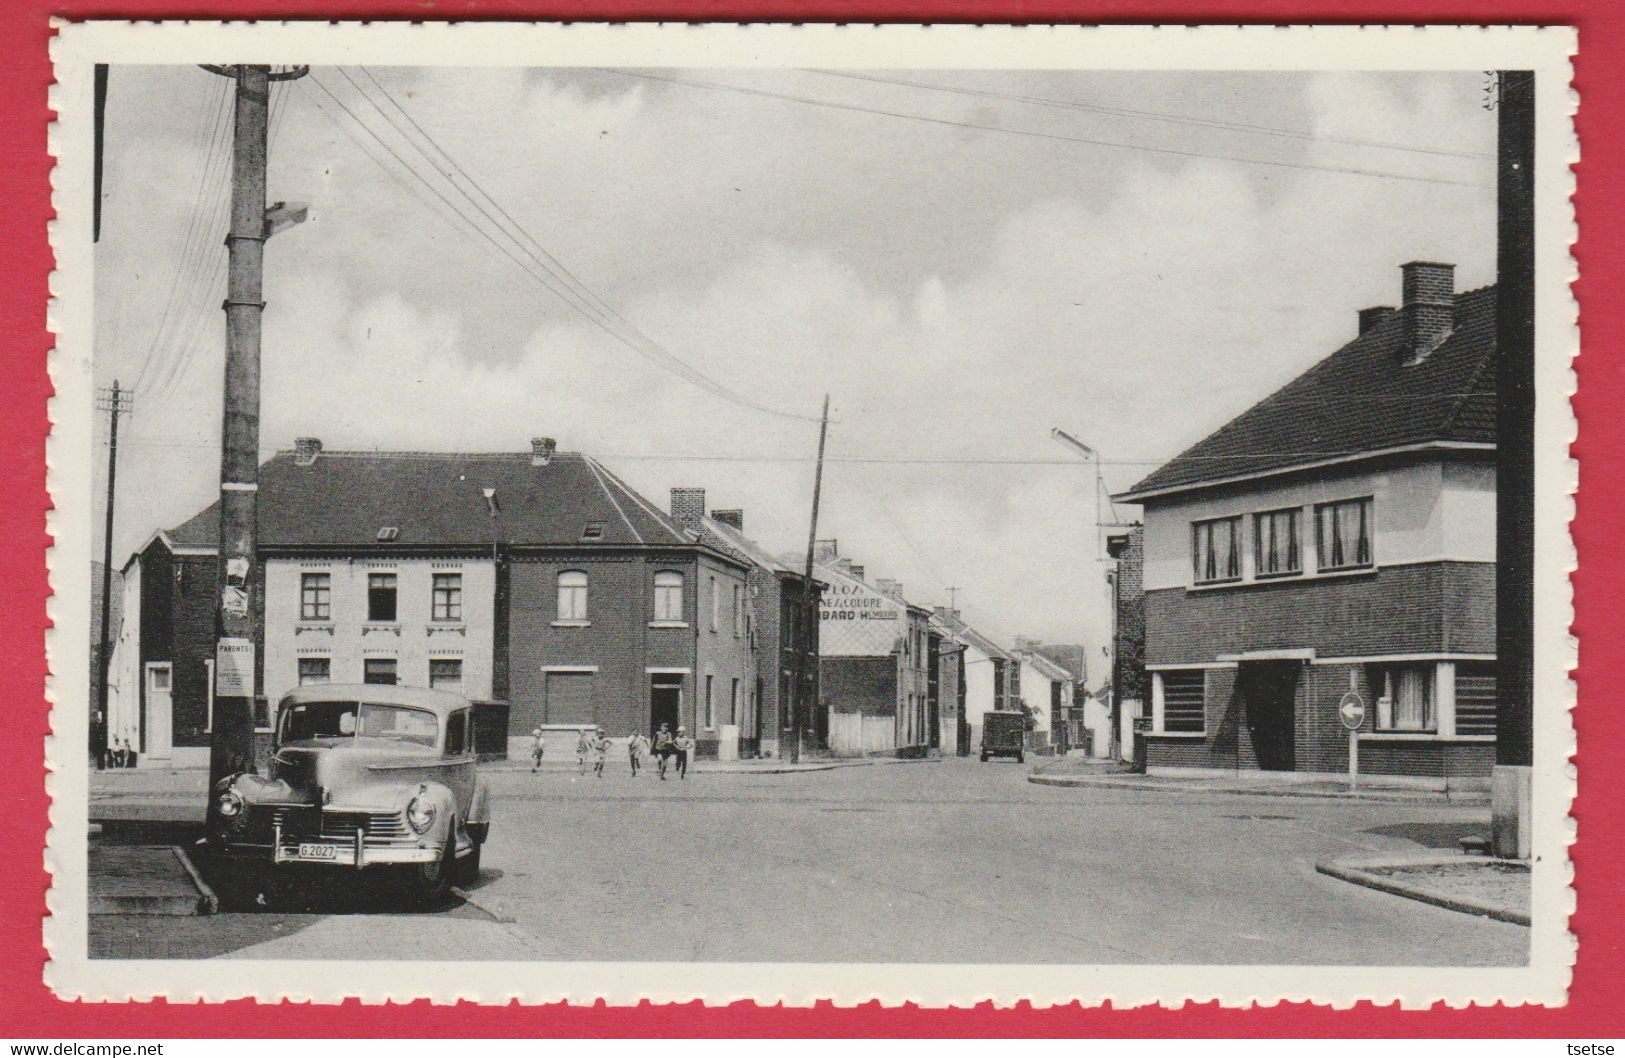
[(1351, 711)]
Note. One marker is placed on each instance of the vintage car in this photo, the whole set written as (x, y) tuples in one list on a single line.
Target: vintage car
[(361, 776)]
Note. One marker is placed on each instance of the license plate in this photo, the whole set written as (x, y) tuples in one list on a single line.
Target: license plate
[(309, 850)]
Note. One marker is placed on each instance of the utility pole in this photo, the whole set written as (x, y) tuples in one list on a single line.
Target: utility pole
[(799, 714), (114, 402), (231, 742), (1511, 781)]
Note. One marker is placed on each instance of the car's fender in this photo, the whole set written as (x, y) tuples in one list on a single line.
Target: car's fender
[(445, 808), (479, 807)]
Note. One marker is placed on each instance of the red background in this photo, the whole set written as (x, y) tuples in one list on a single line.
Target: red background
[(28, 1009)]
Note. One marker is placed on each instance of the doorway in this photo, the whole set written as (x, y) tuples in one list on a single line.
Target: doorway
[(665, 701), (1269, 692), (160, 712)]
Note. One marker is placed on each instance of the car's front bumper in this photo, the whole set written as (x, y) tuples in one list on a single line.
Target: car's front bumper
[(350, 839), (354, 853)]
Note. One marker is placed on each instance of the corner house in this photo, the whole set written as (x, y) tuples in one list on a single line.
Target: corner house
[(539, 581), (874, 668), (1339, 535)]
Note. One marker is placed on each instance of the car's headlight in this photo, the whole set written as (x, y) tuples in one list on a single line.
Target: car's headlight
[(420, 814), (229, 804)]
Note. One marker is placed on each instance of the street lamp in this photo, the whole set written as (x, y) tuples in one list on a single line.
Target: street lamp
[(1064, 438)]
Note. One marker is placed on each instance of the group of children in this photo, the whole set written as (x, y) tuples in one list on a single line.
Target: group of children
[(670, 750)]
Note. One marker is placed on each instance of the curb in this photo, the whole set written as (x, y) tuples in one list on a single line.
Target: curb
[(1359, 873), (202, 901), (1397, 797)]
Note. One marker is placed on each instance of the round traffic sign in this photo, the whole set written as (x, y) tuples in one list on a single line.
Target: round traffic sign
[(1351, 710)]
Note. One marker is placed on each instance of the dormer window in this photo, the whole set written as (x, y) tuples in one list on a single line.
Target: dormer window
[(388, 533), (593, 531)]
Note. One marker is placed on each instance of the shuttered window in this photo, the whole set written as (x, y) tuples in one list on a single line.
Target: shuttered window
[(1184, 693), (1475, 698), (569, 698)]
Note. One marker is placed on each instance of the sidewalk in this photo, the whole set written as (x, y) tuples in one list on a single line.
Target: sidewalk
[(1474, 885), (1108, 774)]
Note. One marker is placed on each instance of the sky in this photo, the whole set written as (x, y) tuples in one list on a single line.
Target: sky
[(962, 260)]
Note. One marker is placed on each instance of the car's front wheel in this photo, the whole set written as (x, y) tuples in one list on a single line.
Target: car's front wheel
[(431, 880)]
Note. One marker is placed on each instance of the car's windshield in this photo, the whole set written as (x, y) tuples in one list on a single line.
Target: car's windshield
[(310, 720)]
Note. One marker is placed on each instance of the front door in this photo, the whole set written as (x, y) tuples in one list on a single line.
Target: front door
[(160, 712), (1269, 693), (665, 701)]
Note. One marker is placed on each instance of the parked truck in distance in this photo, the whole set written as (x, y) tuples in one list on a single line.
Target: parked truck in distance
[(1004, 735)]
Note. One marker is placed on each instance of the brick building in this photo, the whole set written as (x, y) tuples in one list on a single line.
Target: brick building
[(1125, 693), (781, 627), (1339, 535), (985, 670), (539, 580), (874, 662)]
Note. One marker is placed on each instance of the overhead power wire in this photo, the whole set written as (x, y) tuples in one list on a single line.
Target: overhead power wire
[(785, 460), (584, 304), (1159, 115), (1034, 134), (188, 252)]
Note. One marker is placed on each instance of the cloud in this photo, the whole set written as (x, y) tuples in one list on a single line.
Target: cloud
[(1137, 301)]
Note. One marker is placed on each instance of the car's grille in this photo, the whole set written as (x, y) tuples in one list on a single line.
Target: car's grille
[(377, 828)]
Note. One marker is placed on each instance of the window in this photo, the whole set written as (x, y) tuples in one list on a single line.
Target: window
[(710, 706), (668, 596), (716, 604), (572, 595), (1404, 697), (733, 702), (381, 597), (1343, 534), (447, 604), (446, 673), (1475, 698), (1216, 550), (315, 670), (315, 596), (1276, 551), (1183, 694), (456, 731), (378, 670), (739, 611)]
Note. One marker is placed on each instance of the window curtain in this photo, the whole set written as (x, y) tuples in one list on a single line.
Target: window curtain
[(1409, 688), (1350, 532)]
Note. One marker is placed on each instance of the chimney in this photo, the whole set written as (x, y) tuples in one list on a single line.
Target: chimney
[(891, 587), (735, 518), (688, 507), (305, 450), (1374, 315), (947, 613), (854, 569), (1429, 307), (541, 451), (825, 551), (1025, 644)]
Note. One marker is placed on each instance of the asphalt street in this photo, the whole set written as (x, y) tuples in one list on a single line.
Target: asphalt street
[(943, 861)]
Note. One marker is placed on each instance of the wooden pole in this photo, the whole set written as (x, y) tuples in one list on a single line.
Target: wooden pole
[(1512, 779), (800, 713), (118, 402), (231, 742)]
